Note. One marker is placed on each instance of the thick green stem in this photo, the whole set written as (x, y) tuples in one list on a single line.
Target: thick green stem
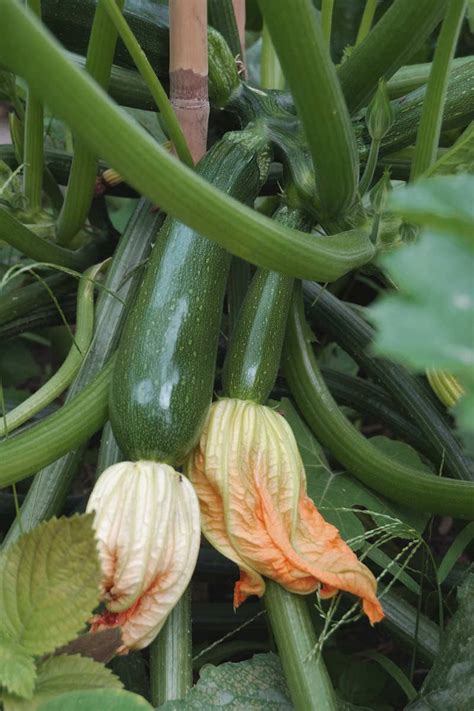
[(327, 9), (271, 75), (366, 21), (81, 183), (355, 336), (64, 375), (152, 171), (403, 484), (395, 38), (33, 142), (305, 673), (151, 80), (35, 247), (222, 17), (312, 77), (413, 76), (429, 130), (171, 655), (66, 429), (370, 166)]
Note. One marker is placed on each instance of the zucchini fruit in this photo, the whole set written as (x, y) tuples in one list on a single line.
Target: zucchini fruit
[(164, 376)]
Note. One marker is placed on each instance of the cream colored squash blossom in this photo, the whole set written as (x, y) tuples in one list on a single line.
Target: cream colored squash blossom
[(148, 532), (251, 484)]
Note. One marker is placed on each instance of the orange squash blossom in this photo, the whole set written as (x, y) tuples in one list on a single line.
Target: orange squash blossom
[(251, 484)]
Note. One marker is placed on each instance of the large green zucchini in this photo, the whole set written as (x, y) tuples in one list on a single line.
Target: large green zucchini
[(164, 376)]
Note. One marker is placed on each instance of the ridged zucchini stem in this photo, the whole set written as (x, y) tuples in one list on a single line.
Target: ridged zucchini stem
[(151, 80), (429, 130), (308, 68), (271, 74), (222, 17), (403, 484), (80, 190), (370, 167), (33, 141), (458, 108), (366, 21), (305, 673), (171, 661), (108, 131), (68, 370), (403, 28), (411, 77), (40, 249), (327, 9), (29, 451), (356, 336)]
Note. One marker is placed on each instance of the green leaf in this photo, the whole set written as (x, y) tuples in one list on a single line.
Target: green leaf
[(459, 158), (49, 584), (58, 675), (428, 322), (257, 684), (97, 700), (17, 669), (339, 490), (450, 683), (442, 202)]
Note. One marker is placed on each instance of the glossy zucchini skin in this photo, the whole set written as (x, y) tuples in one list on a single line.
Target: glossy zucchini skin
[(253, 357), (164, 376)]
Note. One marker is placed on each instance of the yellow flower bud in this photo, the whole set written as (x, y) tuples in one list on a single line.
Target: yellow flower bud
[(251, 484), (148, 532)]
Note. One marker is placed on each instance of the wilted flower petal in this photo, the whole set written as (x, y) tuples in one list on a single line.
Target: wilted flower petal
[(251, 484), (147, 528)]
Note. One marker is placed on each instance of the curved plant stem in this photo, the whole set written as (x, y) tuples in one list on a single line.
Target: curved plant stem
[(222, 17), (403, 484), (429, 130), (355, 336), (305, 673), (68, 370), (366, 21), (171, 655), (395, 38), (327, 9), (271, 75), (42, 250), (309, 70), (81, 183), (33, 142), (151, 80), (370, 167), (159, 176), (25, 453)]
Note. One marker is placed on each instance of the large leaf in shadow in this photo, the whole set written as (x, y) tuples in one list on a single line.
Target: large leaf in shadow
[(450, 683)]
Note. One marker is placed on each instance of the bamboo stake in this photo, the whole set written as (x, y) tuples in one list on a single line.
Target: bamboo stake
[(239, 12), (189, 71)]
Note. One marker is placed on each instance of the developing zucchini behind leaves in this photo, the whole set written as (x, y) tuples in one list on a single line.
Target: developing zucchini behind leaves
[(164, 376)]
